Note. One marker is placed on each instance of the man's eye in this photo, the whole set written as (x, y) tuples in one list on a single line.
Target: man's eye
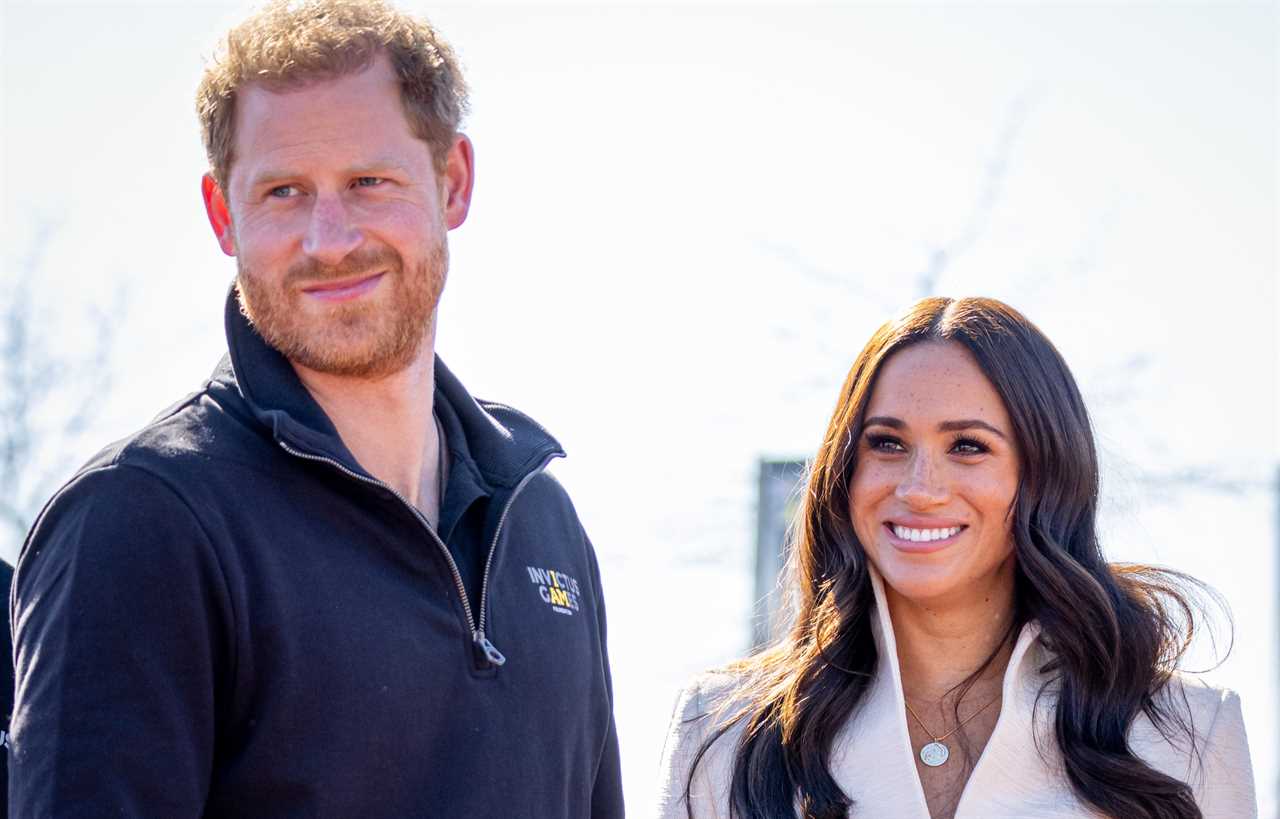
[(282, 191), (368, 181)]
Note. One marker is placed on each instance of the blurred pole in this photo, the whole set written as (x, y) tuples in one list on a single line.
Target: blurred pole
[(778, 499)]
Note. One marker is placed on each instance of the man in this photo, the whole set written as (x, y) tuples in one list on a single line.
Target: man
[(330, 583)]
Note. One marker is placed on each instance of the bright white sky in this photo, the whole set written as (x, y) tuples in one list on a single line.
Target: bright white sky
[(687, 222)]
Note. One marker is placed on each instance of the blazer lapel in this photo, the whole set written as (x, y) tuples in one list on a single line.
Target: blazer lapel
[(875, 764), (1017, 774)]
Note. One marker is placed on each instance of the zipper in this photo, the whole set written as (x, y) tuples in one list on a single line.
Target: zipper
[(490, 651), (494, 656)]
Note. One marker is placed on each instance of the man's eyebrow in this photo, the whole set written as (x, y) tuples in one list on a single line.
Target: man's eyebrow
[(369, 168), (945, 426), (270, 175), (363, 169)]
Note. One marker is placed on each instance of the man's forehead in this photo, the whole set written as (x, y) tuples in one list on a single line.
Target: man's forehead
[(357, 116), (315, 89)]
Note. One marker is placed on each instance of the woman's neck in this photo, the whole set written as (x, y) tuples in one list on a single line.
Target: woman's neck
[(942, 643)]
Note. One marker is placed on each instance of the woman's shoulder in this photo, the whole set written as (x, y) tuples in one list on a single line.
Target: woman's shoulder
[(1186, 700), (713, 689), (707, 705), (704, 713), (1186, 710), (1199, 708), (1199, 737), (1199, 693)]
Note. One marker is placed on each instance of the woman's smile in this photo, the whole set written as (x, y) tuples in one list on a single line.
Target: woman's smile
[(922, 539)]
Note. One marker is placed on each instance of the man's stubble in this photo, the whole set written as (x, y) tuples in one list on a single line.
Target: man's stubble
[(368, 339)]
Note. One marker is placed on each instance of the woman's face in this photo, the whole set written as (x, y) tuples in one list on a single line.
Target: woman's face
[(936, 477)]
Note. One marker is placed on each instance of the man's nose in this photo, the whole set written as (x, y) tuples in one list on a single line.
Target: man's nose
[(330, 234), (924, 484)]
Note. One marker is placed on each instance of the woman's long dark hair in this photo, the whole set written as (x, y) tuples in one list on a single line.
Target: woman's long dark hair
[(1115, 632)]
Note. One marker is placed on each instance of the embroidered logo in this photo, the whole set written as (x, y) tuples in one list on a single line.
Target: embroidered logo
[(557, 589)]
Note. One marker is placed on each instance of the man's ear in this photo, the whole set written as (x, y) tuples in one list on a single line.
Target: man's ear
[(215, 205), (456, 180)]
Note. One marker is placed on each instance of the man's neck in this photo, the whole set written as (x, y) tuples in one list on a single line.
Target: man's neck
[(941, 643), (387, 424)]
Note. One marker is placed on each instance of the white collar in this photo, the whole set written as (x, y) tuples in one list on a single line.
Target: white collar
[(875, 763), (1023, 661)]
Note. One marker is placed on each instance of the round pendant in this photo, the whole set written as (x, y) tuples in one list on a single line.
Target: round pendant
[(934, 754)]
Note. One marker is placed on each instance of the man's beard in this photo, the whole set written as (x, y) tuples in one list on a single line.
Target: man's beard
[(366, 338)]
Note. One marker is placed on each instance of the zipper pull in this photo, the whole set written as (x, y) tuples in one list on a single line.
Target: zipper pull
[(490, 651)]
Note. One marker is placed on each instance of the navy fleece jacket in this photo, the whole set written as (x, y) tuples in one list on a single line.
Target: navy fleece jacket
[(224, 615)]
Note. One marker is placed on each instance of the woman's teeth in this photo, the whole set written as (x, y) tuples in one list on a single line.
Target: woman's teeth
[(924, 535)]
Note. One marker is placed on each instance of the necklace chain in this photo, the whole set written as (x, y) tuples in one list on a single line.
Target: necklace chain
[(959, 725)]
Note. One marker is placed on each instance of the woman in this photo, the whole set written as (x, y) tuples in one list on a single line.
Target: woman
[(961, 647)]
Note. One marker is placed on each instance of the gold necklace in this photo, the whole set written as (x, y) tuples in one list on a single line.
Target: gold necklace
[(937, 753)]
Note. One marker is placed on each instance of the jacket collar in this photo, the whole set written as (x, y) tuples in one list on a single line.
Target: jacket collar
[(505, 444), (1024, 661), (878, 739)]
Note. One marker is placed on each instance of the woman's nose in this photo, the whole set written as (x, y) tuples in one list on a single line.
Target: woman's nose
[(923, 485)]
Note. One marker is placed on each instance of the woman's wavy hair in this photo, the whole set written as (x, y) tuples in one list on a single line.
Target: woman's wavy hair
[(1115, 632)]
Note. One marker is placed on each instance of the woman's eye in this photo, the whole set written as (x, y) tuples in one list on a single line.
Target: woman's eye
[(885, 443), (969, 446)]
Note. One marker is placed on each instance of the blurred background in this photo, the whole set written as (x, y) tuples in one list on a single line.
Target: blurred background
[(686, 223)]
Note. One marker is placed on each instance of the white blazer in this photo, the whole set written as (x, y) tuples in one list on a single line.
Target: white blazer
[(874, 763)]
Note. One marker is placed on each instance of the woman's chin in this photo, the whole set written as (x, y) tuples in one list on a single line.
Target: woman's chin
[(921, 586), (943, 583)]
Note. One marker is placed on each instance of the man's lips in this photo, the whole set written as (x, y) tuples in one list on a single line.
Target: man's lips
[(344, 289)]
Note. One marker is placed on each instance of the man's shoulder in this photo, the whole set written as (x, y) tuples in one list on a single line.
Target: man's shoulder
[(544, 489), (195, 429), (165, 462), (118, 519), (545, 513)]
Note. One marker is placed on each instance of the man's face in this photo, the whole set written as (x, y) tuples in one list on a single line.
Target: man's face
[(338, 222)]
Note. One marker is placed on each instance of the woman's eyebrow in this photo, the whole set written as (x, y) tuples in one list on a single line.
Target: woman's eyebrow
[(945, 426), (968, 423), (885, 421)]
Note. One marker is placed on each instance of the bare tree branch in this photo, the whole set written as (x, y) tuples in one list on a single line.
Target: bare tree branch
[(48, 399), (941, 255)]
